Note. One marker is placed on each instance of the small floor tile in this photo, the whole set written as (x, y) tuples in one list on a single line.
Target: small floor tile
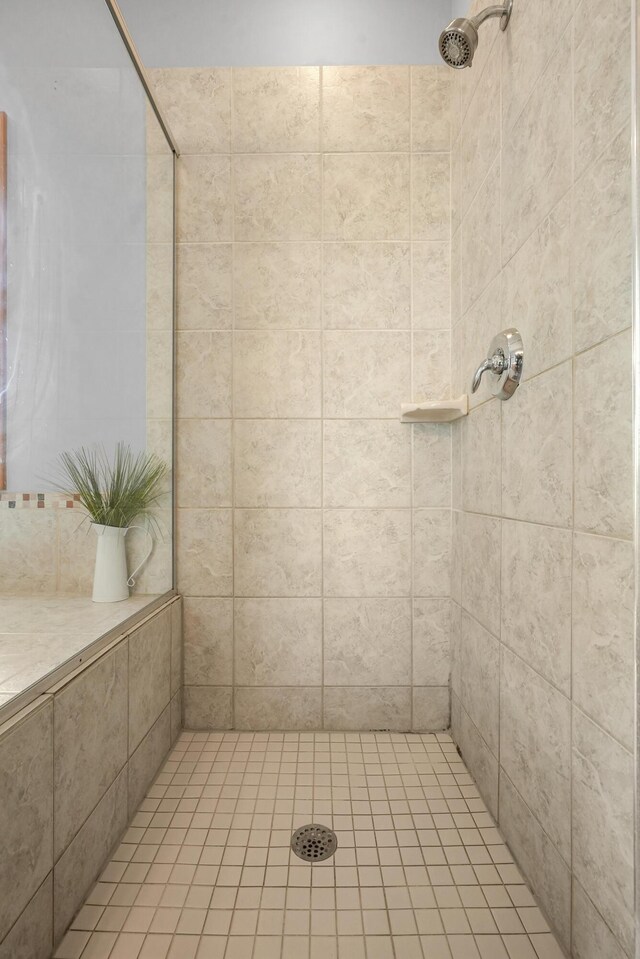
[(205, 871)]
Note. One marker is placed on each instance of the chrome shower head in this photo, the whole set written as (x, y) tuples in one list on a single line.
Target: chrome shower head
[(458, 43), (459, 40)]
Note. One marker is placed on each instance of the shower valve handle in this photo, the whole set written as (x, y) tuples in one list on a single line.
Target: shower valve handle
[(494, 364), (504, 363)]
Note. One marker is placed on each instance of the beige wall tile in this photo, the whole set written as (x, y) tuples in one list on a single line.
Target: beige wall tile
[(367, 197), (432, 624), (159, 199), (477, 327), (367, 552), (278, 463), (28, 560), (175, 707), (477, 756), (479, 142), (203, 463), (456, 650), (204, 199), (278, 642), (277, 286), (481, 549), (278, 552), (480, 247), (456, 465), (432, 464), (536, 461), (159, 279), (456, 277), (488, 49), (602, 276), (159, 374), (591, 937), (367, 642), (276, 374), (464, 359), (177, 643), (204, 286), (536, 292), (197, 107), (535, 29), (535, 747), (602, 806), (430, 201), (367, 286), (601, 82), (276, 109), (367, 463), (481, 459), (76, 553), (603, 648), (432, 552), (32, 935), (457, 199), (431, 102), (541, 862), (431, 371), (26, 811), (365, 374), (79, 866), (431, 709), (277, 197), (536, 169), (365, 108), (432, 285), (159, 441), (536, 598), (553, 211), (204, 552), (278, 708), (480, 679), (147, 759), (149, 675), (90, 742), (203, 375), (208, 641), (367, 708), (603, 452), (208, 707)]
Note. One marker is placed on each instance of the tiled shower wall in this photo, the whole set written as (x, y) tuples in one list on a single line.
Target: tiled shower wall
[(543, 656), (313, 299), (67, 798)]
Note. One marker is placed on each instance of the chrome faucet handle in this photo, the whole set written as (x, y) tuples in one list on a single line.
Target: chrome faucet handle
[(505, 362), (493, 364)]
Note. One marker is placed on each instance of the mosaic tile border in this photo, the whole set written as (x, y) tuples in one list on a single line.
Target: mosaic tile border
[(38, 501)]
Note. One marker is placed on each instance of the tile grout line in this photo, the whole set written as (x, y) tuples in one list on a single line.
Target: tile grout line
[(412, 435), (232, 131), (572, 287), (322, 720)]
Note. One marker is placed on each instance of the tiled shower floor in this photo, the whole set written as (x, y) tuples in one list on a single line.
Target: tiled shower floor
[(205, 870)]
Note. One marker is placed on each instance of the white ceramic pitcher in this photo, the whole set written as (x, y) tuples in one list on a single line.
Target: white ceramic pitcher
[(111, 582)]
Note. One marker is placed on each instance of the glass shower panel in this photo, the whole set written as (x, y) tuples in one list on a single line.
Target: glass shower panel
[(89, 279)]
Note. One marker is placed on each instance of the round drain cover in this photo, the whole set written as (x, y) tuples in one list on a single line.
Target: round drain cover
[(314, 843)]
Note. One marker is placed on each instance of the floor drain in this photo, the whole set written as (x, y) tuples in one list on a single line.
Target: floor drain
[(314, 843)]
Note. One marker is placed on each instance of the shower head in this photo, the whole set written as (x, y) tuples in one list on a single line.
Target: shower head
[(459, 41)]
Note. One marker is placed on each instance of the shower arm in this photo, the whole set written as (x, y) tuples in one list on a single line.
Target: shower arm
[(502, 10)]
